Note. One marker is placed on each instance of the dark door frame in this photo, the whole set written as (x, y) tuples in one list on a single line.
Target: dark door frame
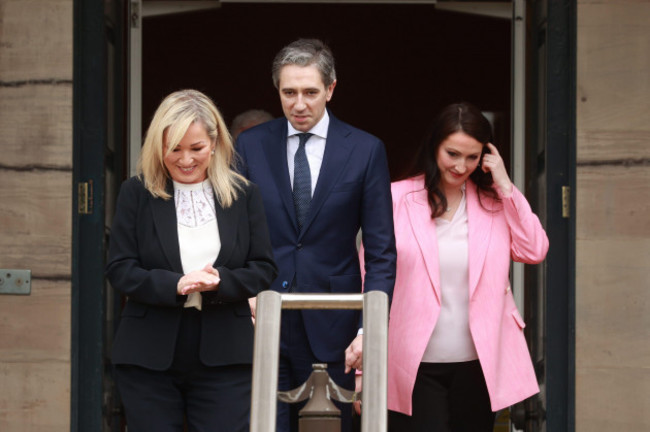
[(561, 37), (89, 141), (90, 129), (98, 163)]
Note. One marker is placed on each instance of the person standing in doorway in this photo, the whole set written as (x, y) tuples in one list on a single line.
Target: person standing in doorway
[(189, 246), (321, 181), (247, 120), (456, 346)]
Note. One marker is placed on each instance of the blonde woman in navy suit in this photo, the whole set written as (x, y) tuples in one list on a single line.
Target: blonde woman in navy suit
[(189, 246)]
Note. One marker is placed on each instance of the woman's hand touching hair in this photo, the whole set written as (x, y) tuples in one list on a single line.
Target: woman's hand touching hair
[(493, 163)]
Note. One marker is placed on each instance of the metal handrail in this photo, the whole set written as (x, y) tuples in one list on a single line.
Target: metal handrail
[(267, 348)]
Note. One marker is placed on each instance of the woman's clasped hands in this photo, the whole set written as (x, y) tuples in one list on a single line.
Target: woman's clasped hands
[(206, 279)]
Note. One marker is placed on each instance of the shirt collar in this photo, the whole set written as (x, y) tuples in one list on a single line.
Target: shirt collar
[(319, 129)]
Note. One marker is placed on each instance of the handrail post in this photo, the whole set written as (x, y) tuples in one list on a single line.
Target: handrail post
[(375, 356), (266, 361), (267, 351)]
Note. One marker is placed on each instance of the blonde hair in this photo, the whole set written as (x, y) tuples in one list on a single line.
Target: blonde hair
[(176, 113)]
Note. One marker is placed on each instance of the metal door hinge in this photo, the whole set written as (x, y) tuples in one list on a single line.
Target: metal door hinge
[(566, 201), (15, 281), (85, 197)]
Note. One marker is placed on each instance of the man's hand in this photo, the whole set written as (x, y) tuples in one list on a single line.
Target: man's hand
[(354, 355), (358, 386), (252, 302)]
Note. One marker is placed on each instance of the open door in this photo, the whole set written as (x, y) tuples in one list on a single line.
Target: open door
[(550, 186), (98, 169), (89, 142)]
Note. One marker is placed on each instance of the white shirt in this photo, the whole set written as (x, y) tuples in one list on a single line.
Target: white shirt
[(314, 148), (451, 340), (198, 233)]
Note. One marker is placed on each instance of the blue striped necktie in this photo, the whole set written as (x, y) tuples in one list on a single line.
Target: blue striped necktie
[(301, 181)]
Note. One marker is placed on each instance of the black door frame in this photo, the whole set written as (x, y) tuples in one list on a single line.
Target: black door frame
[(90, 128), (561, 41), (89, 142), (98, 124)]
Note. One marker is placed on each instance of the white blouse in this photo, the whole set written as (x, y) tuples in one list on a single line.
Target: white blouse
[(198, 233), (451, 340)]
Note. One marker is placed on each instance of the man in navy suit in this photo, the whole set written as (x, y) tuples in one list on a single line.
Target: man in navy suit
[(345, 172)]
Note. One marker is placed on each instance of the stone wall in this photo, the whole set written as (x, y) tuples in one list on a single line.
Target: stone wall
[(613, 217), (35, 212)]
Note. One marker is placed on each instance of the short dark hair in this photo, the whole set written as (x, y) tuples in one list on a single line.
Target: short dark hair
[(305, 52)]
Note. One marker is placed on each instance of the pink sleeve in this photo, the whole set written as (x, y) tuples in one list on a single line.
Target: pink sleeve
[(529, 242)]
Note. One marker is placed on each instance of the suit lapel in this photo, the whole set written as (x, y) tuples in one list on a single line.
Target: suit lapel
[(424, 231), (275, 149), (337, 153), (164, 217), (227, 222), (479, 221)]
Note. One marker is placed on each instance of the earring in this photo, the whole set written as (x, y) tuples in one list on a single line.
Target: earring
[(212, 152)]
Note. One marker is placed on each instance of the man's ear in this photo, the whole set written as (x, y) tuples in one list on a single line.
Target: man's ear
[(330, 90)]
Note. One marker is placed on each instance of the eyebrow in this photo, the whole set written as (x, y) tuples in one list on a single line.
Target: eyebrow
[(302, 90), (196, 143), (453, 149)]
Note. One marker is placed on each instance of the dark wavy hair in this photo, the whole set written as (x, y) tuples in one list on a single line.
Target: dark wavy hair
[(458, 117)]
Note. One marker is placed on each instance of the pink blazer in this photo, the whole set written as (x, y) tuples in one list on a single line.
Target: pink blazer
[(498, 232)]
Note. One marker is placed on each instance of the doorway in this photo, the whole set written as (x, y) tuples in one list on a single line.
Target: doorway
[(398, 64)]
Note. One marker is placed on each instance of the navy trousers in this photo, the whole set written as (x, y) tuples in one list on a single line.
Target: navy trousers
[(296, 359)]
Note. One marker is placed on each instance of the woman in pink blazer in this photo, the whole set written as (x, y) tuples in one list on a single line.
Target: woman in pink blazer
[(456, 347)]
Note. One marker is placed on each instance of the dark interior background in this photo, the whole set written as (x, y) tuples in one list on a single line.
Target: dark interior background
[(397, 65)]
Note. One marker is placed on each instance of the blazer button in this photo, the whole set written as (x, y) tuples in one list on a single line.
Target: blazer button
[(299, 245), (285, 284)]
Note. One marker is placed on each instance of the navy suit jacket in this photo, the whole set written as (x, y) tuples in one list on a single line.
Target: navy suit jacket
[(352, 192), (145, 265)]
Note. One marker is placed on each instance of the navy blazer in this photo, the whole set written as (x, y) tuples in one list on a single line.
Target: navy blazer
[(145, 265), (352, 192)]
